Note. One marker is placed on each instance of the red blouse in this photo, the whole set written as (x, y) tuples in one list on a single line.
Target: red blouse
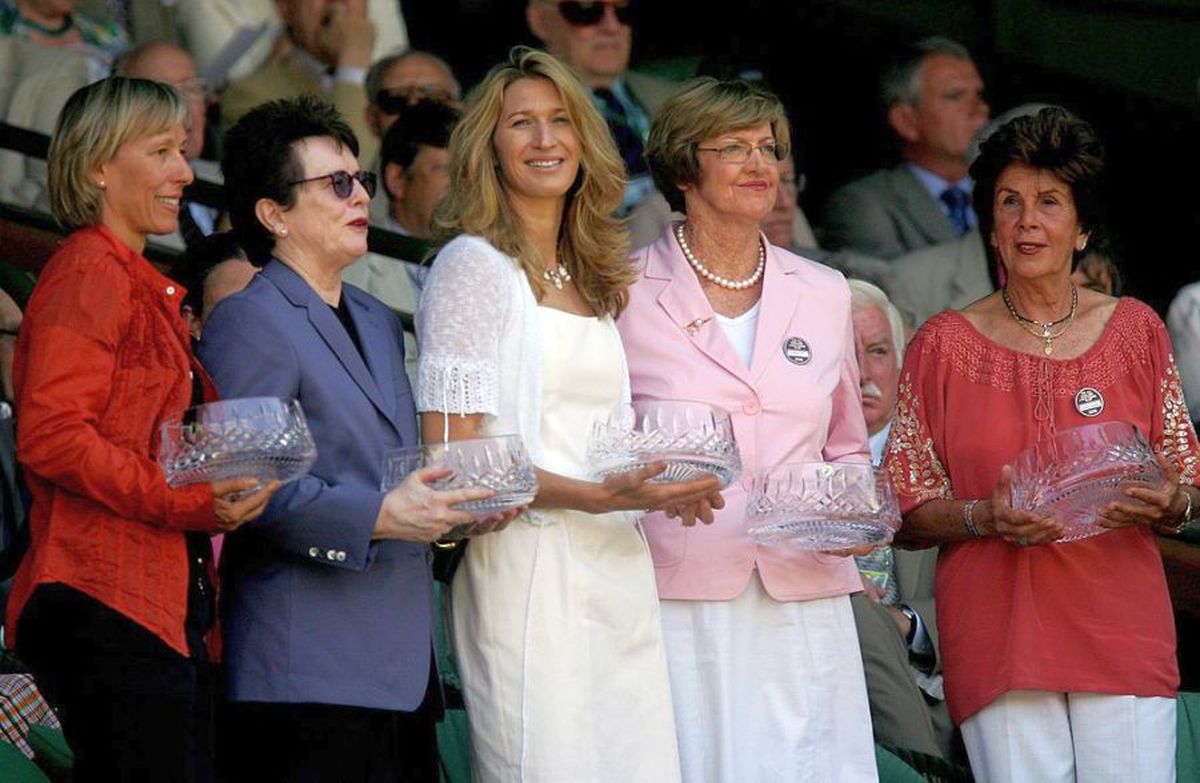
[(102, 359), (1091, 615)]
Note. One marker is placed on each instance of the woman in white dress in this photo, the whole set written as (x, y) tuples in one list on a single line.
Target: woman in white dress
[(555, 618)]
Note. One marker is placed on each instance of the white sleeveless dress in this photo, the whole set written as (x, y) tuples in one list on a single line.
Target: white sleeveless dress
[(557, 627)]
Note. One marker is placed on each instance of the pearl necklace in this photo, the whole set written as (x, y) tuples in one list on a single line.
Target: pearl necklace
[(557, 276), (708, 274)]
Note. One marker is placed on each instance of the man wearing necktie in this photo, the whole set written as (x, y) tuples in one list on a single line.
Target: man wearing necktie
[(934, 104), (595, 38)]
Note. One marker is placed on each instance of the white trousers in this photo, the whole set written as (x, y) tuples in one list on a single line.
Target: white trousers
[(1047, 737), (768, 691)]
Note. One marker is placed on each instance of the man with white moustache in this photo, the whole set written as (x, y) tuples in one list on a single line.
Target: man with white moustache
[(897, 627)]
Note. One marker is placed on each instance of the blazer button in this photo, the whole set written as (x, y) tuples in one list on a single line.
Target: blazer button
[(751, 408), (331, 555), (170, 290), (341, 557), (314, 552)]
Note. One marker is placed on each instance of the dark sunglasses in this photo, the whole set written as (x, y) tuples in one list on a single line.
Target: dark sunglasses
[(585, 13), (398, 99), (343, 182)]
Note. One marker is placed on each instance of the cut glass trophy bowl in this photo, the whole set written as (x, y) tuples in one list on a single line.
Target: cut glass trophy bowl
[(823, 506), (499, 463), (1076, 473), (263, 437), (694, 439)]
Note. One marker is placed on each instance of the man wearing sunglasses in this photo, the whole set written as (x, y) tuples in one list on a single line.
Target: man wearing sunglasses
[(398, 81), (595, 38)]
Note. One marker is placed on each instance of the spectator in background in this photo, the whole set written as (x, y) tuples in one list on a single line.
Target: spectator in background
[(416, 174), (787, 226), (595, 39), (57, 24), (325, 51), (1183, 321), (895, 617), (1098, 269), (402, 80), (214, 268), (933, 97)]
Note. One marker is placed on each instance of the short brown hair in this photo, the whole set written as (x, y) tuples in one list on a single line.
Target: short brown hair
[(96, 121), (1052, 140), (703, 108)]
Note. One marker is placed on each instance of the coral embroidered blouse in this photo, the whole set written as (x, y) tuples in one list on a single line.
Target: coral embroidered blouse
[(102, 359), (1092, 615)]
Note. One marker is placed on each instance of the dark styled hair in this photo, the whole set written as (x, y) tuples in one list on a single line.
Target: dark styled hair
[(1053, 140), (260, 161), (200, 259), (427, 123)]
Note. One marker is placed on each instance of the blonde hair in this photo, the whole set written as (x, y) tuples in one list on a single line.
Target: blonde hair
[(96, 121), (703, 108), (594, 246)]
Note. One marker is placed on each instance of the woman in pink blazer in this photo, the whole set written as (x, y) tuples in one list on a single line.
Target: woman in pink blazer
[(764, 664)]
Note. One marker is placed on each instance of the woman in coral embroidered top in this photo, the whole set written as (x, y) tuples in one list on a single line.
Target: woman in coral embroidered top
[(1059, 657), (112, 604)]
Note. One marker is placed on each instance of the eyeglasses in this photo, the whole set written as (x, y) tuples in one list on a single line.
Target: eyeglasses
[(343, 182), (585, 13), (740, 152), (398, 99)]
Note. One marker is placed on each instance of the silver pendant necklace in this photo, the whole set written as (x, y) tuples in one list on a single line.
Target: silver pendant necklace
[(558, 276)]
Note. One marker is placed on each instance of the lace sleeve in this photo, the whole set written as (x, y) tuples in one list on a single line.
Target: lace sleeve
[(463, 314), (1173, 435), (911, 458)]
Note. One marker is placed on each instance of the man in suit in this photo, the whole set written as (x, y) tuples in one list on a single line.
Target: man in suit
[(325, 51), (401, 80), (925, 281), (596, 39), (897, 625), (934, 104)]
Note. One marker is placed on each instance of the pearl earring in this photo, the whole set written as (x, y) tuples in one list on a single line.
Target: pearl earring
[(282, 231)]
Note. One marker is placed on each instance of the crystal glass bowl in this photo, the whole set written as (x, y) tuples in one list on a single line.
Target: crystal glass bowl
[(823, 506), (1076, 473), (499, 463), (694, 439), (263, 437)]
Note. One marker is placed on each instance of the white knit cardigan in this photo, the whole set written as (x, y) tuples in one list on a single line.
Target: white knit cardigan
[(480, 343)]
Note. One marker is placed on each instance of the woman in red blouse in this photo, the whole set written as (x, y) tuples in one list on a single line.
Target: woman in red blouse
[(112, 604), (1059, 657)]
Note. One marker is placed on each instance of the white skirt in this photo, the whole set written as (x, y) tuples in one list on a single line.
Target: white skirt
[(767, 690)]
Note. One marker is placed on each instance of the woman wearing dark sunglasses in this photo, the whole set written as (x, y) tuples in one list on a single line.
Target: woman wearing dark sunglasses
[(326, 608)]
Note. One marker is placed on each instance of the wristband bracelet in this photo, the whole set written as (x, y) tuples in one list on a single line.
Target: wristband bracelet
[(1175, 530), (968, 519)]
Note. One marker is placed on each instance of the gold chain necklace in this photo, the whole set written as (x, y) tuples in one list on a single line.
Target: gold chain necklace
[(1044, 330)]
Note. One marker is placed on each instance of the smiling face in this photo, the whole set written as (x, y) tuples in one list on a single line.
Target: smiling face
[(328, 231), (878, 366), (535, 143), (1036, 227), (599, 53), (142, 186), (737, 192)]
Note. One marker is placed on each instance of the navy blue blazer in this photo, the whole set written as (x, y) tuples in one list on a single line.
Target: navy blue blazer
[(312, 609)]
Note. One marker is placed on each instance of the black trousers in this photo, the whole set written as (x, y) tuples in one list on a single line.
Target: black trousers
[(132, 708), (315, 743)]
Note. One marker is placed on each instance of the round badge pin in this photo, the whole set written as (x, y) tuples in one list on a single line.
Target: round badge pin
[(796, 350), (1089, 402)]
